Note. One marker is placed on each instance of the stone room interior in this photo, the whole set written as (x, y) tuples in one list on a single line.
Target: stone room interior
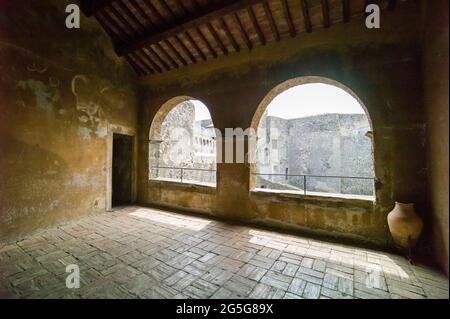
[(224, 149)]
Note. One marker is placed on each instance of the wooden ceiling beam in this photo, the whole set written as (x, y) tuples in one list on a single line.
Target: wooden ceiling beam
[(208, 14), (108, 17), (141, 64), (168, 9), (272, 23), (115, 37), (244, 34), (155, 11), (181, 7), (175, 51), (154, 65), (136, 68), (261, 36), (346, 10), (325, 13), (288, 17), (91, 7), (158, 58), (195, 45), (185, 49), (205, 40), (229, 35), (143, 58), (306, 17), (132, 16), (128, 27), (217, 38), (141, 11), (167, 56)]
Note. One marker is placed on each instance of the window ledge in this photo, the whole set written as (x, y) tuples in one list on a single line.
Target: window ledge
[(314, 197), (191, 186)]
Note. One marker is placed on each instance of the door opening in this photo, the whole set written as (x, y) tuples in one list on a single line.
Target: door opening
[(122, 163)]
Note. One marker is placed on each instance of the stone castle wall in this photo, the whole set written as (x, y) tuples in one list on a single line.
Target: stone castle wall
[(185, 144), (322, 145)]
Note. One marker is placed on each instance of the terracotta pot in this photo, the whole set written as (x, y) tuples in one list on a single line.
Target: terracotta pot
[(405, 225)]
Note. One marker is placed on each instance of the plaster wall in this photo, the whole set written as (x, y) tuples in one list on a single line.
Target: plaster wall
[(435, 69), (61, 92), (382, 67)]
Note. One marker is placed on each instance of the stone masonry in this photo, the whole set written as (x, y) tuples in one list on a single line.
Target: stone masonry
[(322, 145)]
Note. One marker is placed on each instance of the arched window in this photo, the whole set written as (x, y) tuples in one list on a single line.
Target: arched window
[(314, 138), (176, 137)]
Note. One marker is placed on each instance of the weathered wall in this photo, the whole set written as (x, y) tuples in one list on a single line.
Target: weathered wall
[(321, 145), (60, 91), (435, 69), (381, 66)]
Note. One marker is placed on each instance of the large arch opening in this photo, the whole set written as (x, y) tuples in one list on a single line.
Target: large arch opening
[(314, 138), (182, 145)]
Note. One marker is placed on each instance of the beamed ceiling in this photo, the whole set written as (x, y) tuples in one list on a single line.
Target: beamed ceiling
[(156, 36)]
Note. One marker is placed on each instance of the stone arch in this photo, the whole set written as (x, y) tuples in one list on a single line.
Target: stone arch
[(279, 89), (160, 146)]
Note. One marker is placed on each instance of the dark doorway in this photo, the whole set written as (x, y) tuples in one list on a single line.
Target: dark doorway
[(122, 169)]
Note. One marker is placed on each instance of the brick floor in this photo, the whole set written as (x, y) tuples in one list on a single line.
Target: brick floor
[(147, 253)]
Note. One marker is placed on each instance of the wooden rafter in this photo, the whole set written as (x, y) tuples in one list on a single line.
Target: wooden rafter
[(141, 11), (155, 36), (205, 40), (181, 7), (214, 11), (195, 45), (346, 10), (158, 58), (217, 38), (128, 26), (288, 17), (131, 15), (155, 66), (91, 7), (116, 38), (168, 9), (258, 30), (185, 49), (175, 51), (135, 67), (325, 13), (306, 17), (244, 34), (155, 11), (230, 37), (167, 56), (146, 62), (272, 23)]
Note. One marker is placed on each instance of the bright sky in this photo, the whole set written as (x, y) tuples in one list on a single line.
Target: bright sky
[(301, 101), (313, 99), (201, 111)]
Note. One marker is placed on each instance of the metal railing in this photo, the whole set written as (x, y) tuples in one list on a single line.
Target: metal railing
[(182, 171), (305, 177)]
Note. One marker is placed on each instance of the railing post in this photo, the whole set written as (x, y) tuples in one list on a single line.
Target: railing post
[(182, 175), (304, 184)]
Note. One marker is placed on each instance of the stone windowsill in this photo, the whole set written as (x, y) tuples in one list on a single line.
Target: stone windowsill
[(189, 185), (314, 197)]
